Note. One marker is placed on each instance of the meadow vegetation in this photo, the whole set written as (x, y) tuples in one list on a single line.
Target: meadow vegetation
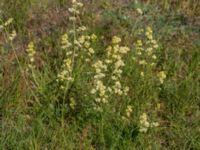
[(100, 74)]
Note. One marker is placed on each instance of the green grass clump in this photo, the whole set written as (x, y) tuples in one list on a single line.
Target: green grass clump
[(99, 75)]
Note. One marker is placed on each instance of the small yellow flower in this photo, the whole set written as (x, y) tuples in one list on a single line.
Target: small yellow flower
[(87, 44), (129, 111), (142, 74), (72, 103), (142, 62), (124, 49), (93, 37), (116, 40), (30, 49), (66, 73), (71, 10), (144, 124), (74, 1), (148, 29), (81, 39), (139, 11), (155, 46), (149, 33), (8, 22), (64, 42), (126, 89), (91, 50), (80, 4), (139, 53), (82, 28), (154, 57), (154, 124), (72, 18), (12, 35), (31, 53), (1, 27), (139, 43), (162, 76)]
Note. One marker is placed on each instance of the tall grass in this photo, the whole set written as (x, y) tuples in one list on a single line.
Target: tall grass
[(123, 78)]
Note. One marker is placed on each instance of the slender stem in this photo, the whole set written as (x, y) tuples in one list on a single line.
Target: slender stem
[(20, 67), (74, 34)]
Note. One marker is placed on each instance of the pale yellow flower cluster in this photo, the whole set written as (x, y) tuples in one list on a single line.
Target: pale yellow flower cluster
[(146, 53), (152, 41), (139, 10), (72, 103), (85, 43), (65, 75), (145, 124), (72, 48), (116, 40), (93, 37), (146, 50), (80, 42), (114, 62), (75, 10), (31, 53), (12, 35), (82, 29), (78, 29), (65, 42), (115, 54), (7, 23), (162, 76), (128, 111), (100, 90)]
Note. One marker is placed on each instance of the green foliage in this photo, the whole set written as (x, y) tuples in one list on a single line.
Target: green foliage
[(128, 80)]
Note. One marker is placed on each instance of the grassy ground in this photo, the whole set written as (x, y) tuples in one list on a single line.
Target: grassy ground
[(43, 109)]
